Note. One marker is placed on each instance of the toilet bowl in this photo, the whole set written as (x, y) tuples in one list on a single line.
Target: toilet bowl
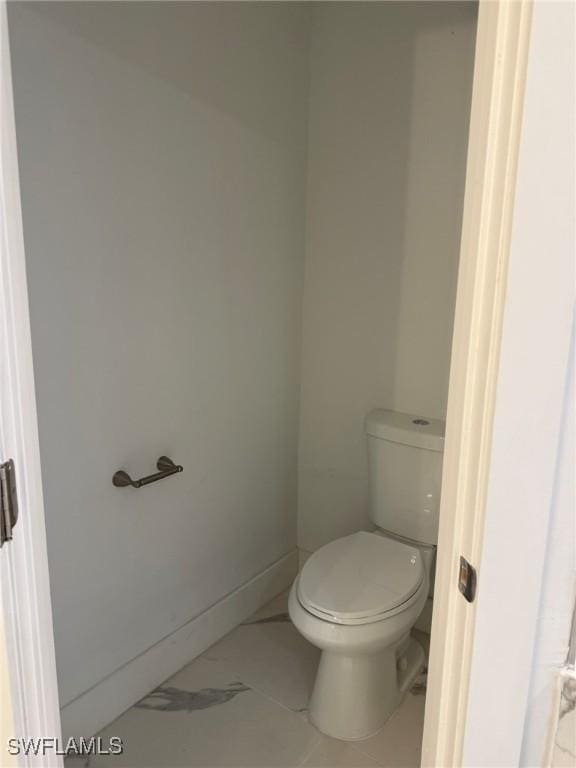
[(357, 599)]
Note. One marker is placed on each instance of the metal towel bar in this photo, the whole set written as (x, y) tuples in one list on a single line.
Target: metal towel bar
[(165, 466)]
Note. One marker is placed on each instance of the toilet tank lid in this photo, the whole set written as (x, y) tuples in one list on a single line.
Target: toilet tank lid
[(406, 428)]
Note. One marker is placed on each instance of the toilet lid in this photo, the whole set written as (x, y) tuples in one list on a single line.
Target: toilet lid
[(359, 576)]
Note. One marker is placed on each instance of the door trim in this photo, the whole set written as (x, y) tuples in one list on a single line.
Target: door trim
[(24, 579), (497, 99)]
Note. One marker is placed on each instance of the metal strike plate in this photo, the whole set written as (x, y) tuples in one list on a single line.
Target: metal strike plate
[(467, 579), (8, 500)]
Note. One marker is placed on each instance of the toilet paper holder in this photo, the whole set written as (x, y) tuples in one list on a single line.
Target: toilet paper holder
[(166, 467)]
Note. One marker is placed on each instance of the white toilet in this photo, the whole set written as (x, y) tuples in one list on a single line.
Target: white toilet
[(358, 597)]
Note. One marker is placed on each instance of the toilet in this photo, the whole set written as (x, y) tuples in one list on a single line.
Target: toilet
[(358, 597)]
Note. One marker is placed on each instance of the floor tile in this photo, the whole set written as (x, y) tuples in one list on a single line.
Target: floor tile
[(564, 749), (203, 717), (399, 743), (270, 655), (331, 753), (230, 708)]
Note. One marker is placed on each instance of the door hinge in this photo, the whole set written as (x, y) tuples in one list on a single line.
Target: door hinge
[(467, 579), (8, 500)]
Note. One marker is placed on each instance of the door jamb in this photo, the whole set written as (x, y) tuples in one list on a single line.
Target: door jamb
[(497, 99), (26, 624)]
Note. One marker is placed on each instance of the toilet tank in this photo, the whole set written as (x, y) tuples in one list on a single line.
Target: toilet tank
[(405, 467)]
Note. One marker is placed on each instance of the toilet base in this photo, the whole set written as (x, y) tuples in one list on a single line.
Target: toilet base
[(354, 696)]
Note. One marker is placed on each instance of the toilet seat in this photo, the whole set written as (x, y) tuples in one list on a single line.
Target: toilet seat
[(360, 579)]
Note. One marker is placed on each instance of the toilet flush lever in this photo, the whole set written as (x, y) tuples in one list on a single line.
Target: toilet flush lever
[(467, 579)]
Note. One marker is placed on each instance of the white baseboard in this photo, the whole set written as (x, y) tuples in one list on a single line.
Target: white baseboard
[(97, 707)]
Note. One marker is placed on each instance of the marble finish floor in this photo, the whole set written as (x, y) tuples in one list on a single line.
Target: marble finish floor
[(242, 704), (564, 746)]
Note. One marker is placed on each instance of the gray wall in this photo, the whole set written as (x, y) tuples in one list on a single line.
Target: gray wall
[(162, 155), (179, 163), (390, 98)]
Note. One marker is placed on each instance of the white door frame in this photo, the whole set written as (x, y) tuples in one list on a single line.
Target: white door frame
[(509, 369), (27, 637), (526, 487), (496, 116), (499, 77)]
